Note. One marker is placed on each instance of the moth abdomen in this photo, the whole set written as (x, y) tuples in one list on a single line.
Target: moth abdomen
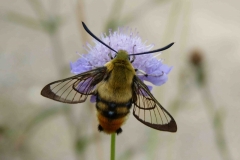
[(113, 110), (112, 115)]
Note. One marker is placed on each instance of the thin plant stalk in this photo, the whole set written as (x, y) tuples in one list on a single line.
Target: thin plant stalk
[(217, 122), (113, 137)]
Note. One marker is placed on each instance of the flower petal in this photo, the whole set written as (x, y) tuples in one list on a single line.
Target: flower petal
[(93, 98)]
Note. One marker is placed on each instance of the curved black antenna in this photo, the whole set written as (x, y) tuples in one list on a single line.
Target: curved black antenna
[(157, 50), (89, 32)]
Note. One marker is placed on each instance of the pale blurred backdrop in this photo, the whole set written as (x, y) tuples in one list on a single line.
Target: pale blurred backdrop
[(39, 38)]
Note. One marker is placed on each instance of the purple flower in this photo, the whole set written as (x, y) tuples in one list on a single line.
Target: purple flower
[(124, 39)]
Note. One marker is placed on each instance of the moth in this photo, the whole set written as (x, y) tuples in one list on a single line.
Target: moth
[(117, 88)]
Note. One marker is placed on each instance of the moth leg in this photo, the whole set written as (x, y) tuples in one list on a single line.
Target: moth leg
[(133, 59), (146, 75), (110, 54), (100, 128), (133, 55), (119, 130), (141, 72), (133, 48)]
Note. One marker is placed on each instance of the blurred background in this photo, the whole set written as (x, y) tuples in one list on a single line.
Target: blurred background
[(39, 38)]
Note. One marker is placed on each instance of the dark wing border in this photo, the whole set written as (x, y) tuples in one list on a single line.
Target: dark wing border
[(145, 102), (80, 86)]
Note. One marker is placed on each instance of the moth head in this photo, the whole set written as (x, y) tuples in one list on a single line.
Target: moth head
[(122, 55)]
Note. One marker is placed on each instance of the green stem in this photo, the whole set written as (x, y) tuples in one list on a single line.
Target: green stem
[(113, 137)]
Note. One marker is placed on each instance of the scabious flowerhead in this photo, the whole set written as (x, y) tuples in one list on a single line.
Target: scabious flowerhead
[(129, 41)]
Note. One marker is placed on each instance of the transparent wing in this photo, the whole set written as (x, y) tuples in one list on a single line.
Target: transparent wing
[(148, 110), (74, 89)]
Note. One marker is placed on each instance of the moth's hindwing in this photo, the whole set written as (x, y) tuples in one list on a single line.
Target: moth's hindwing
[(148, 110), (75, 89)]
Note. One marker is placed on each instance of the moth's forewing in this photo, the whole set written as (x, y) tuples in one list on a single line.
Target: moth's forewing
[(148, 110), (74, 89)]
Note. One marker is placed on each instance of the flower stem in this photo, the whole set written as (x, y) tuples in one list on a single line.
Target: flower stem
[(113, 137)]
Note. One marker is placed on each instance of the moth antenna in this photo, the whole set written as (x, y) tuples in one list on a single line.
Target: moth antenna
[(157, 50), (89, 32)]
